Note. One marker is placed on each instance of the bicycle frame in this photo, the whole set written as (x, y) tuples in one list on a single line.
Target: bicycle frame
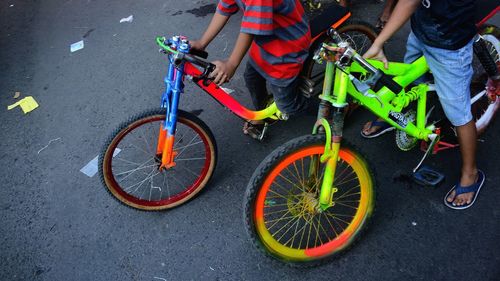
[(383, 103), (174, 87)]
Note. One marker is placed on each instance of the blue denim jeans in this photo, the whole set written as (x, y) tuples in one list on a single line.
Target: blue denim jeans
[(288, 99), (452, 70)]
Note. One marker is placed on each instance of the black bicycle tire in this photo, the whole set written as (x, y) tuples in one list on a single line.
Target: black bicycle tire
[(484, 121)]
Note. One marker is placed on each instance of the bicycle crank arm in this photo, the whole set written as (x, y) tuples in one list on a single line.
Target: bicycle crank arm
[(434, 140)]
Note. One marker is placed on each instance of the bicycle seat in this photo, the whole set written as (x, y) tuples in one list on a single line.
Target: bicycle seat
[(329, 16)]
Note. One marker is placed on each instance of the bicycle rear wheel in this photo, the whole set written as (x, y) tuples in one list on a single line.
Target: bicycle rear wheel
[(129, 165), (281, 203), (484, 108)]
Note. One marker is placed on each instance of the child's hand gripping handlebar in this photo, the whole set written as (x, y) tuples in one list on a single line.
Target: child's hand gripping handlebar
[(194, 56)]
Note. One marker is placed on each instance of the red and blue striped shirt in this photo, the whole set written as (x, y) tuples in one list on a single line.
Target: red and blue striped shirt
[(282, 36)]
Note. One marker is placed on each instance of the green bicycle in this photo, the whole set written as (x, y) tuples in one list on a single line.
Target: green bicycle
[(311, 198)]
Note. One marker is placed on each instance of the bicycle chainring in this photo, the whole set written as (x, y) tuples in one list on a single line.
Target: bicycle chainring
[(404, 141)]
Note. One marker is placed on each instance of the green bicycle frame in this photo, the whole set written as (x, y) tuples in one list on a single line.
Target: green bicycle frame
[(383, 103)]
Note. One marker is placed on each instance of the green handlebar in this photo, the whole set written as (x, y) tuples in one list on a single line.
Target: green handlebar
[(160, 40)]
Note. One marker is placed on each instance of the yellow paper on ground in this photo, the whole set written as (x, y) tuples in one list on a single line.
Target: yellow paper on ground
[(27, 104)]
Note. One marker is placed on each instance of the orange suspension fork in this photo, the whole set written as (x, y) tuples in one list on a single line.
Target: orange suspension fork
[(165, 148)]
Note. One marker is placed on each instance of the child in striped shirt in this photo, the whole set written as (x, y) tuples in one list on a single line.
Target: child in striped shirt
[(276, 34)]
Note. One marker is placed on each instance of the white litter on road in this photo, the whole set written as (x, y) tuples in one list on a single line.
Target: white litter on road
[(51, 141), (127, 19), (414, 223), (76, 46), (91, 168)]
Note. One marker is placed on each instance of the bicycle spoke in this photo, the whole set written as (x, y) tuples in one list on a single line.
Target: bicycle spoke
[(136, 169), (138, 148), (355, 208), (126, 161), (138, 183), (189, 145), (296, 232), (278, 195), (186, 146), (190, 159), (279, 230), (148, 146), (333, 228), (275, 212), (279, 219), (347, 194), (337, 218), (283, 188), (190, 171), (349, 180), (147, 161), (286, 179), (322, 228)]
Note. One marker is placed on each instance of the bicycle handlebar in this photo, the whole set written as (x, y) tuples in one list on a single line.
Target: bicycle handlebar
[(383, 79), (195, 56)]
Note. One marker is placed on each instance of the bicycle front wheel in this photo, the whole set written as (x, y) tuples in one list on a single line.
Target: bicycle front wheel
[(281, 203), (130, 168)]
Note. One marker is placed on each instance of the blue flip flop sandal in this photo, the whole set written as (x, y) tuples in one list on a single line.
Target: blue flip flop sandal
[(384, 127), (475, 187)]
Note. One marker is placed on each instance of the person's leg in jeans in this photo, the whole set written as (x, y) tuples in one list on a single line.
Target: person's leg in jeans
[(256, 85), (288, 99), (453, 73)]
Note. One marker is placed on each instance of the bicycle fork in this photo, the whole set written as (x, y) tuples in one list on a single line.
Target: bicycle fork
[(332, 131), (170, 101)]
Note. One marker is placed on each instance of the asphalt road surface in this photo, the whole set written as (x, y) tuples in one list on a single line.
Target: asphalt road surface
[(59, 224)]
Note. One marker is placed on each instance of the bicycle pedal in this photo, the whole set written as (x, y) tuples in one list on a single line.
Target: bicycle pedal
[(427, 176)]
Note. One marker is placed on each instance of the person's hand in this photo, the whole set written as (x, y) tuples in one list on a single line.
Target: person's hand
[(337, 50), (223, 72), (376, 52), (197, 45)]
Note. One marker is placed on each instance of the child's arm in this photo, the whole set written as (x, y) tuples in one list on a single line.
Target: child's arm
[(402, 12), (225, 69), (216, 24)]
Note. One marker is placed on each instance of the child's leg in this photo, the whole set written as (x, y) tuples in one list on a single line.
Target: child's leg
[(452, 71), (288, 99), (256, 85)]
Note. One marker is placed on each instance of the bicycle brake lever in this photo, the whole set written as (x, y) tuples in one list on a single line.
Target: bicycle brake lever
[(364, 88), (204, 75)]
